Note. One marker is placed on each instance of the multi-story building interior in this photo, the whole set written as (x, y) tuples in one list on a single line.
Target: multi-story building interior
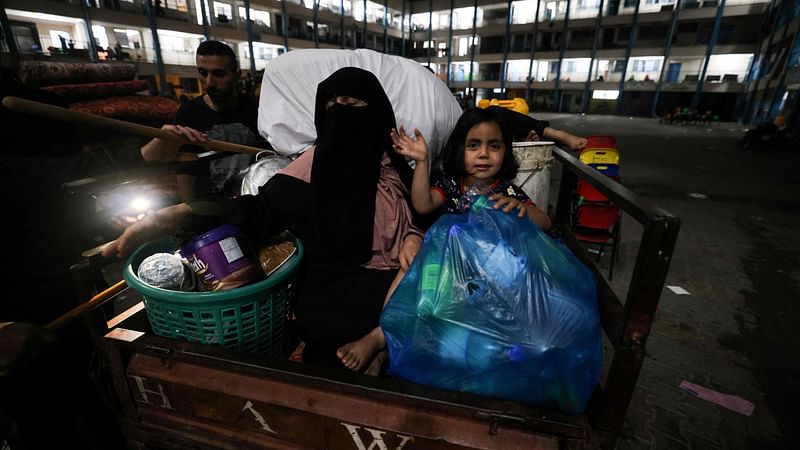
[(739, 59)]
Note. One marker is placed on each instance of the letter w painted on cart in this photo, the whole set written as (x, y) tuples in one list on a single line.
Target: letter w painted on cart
[(377, 438)]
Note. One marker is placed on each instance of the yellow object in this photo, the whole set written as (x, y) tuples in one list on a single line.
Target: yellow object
[(600, 156), (780, 121), (518, 104)]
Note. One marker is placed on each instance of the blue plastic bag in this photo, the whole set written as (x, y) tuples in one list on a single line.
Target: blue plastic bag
[(494, 306)]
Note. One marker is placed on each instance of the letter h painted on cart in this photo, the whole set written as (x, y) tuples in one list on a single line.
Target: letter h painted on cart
[(144, 392)]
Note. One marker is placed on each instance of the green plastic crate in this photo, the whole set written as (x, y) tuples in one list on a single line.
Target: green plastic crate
[(250, 318)]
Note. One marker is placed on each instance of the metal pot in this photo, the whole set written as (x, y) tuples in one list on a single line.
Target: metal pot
[(267, 164)]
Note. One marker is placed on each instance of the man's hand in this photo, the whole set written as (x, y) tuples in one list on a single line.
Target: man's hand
[(155, 225), (408, 250), (570, 140), (416, 149), (575, 142), (160, 150), (532, 136)]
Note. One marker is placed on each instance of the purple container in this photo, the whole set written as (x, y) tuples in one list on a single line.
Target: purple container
[(222, 258)]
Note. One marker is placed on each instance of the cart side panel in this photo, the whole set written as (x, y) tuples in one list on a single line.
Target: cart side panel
[(198, 401)]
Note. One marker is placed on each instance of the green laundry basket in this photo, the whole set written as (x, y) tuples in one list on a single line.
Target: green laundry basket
[(250, 318)]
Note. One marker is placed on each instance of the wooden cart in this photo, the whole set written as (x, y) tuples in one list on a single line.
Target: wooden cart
[(173, 394)]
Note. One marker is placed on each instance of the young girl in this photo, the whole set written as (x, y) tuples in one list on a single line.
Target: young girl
[(479, 150)]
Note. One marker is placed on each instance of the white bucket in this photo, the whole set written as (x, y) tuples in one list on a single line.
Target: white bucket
[(535, 161)]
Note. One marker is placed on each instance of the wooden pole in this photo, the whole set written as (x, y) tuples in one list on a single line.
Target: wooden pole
[(58, 113)]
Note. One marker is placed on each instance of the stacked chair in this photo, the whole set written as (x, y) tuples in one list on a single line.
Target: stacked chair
[(597, 220)]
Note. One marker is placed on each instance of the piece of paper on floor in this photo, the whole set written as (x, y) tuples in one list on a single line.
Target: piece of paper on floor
[(732, 402), (123, 334), (678, 290)]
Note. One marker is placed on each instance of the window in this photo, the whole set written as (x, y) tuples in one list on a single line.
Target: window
[(523, 11), (646, 65), (419, 22), (177, 5), (358, 11), (444, 21), (223, 10), (100, 36), (128, 38), (56, 36), (256, 15), (550, 11), (464, 44), (463, 17)]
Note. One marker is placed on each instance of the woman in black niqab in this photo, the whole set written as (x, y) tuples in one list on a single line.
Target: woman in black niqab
[(345, 200), (351, 141)]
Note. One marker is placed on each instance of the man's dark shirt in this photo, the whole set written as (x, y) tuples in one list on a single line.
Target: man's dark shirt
[(238, 126)]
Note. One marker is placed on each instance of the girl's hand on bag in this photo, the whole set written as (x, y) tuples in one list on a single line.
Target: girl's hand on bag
[(508, 204), (416, 148)]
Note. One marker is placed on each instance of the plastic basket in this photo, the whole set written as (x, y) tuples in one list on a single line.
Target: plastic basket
[(609, 170), (249, 318), (598, 141), (600, 156)]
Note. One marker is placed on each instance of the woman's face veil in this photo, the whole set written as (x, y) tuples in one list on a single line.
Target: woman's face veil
[(351, 141)]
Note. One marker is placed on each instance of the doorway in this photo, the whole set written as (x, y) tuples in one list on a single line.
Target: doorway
[(673, 72)]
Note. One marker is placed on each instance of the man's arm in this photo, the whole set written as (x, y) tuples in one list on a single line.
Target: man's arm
[(571, 141), (160, 150)]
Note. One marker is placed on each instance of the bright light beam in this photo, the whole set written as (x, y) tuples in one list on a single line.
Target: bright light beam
[(141, 204)]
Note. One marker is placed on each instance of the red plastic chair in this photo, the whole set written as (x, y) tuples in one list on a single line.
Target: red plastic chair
[(598, 141), (587, 193), (599, 223)]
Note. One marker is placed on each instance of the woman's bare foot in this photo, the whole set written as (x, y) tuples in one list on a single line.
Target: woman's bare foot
[(357, 355)]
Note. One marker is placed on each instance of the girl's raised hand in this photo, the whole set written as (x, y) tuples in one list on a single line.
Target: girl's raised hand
[(416, 148)]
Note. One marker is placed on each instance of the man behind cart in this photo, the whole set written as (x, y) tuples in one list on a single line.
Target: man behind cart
[(221, 113)]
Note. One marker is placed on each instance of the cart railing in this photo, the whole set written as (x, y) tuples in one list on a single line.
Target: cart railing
[(627, 324)]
